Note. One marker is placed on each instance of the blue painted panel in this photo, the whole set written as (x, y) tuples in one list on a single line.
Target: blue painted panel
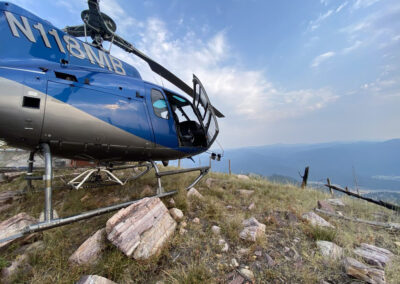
[(164, 129), (129, 115), (21, 51)]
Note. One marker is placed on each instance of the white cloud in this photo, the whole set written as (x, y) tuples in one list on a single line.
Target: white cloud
[(321, 58), (341, 7), (364, 3), (324, 2), (353, 47), (242, 94), (322, 17)]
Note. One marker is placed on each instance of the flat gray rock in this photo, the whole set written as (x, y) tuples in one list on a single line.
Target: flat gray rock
[(90, 251), (374, 255), (316, 220), (14, 225), (335, 202), (141, 229), (252, 230), (330, 250), (94, 279), (360, 271)]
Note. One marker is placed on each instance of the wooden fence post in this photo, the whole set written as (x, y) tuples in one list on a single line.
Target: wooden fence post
[(329, 185), (305, 177), (230, 172), (179, 163)]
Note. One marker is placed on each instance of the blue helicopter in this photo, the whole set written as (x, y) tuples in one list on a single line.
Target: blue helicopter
[(70, 98)]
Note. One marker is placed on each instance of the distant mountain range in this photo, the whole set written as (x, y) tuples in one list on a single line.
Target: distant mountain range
[(372, 165)]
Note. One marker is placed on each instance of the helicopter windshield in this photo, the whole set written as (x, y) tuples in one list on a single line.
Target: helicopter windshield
[(206, 113)]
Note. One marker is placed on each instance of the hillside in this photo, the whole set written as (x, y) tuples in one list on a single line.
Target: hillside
[(286, 254), (375, 163)]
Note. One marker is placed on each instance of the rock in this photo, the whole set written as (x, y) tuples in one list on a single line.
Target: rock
[(183, 224), (7, 197), (243, 251), (325, 206), (229, 207), (224, 245), (86, 197), (336, 202), (374, 255), (31, 248), (182, 231), (361, 271), (94, 279), (247, 273), (245, 192), (397, 244), (14, 225), (244, 177), (19, 263), (141, 229), (258, 253), (194, 193), (216, 230), (252, 230), (171, 202), (41, 217), (330, 250), (236, 278), (316, 220), (234, 263), (5, 207), (176, 213), (251, 206), (90, 250), (10, 176), (196, 220), (270, 260), (210, 181)]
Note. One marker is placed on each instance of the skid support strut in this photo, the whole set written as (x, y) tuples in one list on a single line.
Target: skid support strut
[(159, 174), (48, 178), (30, 169)]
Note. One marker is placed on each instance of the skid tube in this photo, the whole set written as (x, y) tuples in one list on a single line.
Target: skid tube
[(49, 222)]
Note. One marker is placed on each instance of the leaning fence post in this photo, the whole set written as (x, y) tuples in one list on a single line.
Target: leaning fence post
[(305, 177), (329, 185)]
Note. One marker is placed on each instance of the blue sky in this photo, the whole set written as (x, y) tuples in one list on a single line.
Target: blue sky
[(281, 71)]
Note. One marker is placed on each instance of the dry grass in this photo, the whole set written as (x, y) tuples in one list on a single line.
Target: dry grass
[(195, 257)]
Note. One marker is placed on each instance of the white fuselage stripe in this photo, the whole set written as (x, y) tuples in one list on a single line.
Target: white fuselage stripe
[(25, 70)]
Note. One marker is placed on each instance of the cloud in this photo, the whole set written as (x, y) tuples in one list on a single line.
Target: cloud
[(321, 58), (243, 94), (322, 17), (324, 2), (341, 7), (353, 47), (364, 3)]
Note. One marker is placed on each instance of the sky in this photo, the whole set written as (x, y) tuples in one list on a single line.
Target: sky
[(281, 71)]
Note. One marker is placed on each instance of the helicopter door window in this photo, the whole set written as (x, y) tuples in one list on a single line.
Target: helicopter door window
[(159, 104)]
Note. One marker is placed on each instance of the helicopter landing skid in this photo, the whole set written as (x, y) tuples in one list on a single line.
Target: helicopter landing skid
[(50, 222), (78, 181)]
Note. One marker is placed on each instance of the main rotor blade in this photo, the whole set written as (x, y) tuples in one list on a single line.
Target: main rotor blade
[(158, 68)]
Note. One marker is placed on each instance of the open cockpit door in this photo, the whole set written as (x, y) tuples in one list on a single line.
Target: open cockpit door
[(205, 111)]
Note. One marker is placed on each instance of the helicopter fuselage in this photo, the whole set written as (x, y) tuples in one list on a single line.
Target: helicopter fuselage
[(85, 103)]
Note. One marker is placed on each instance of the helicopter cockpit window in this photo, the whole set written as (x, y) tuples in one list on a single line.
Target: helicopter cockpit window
[(159, 104)]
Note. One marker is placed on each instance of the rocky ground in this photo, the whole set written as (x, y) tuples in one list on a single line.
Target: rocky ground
[(230, 229)]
